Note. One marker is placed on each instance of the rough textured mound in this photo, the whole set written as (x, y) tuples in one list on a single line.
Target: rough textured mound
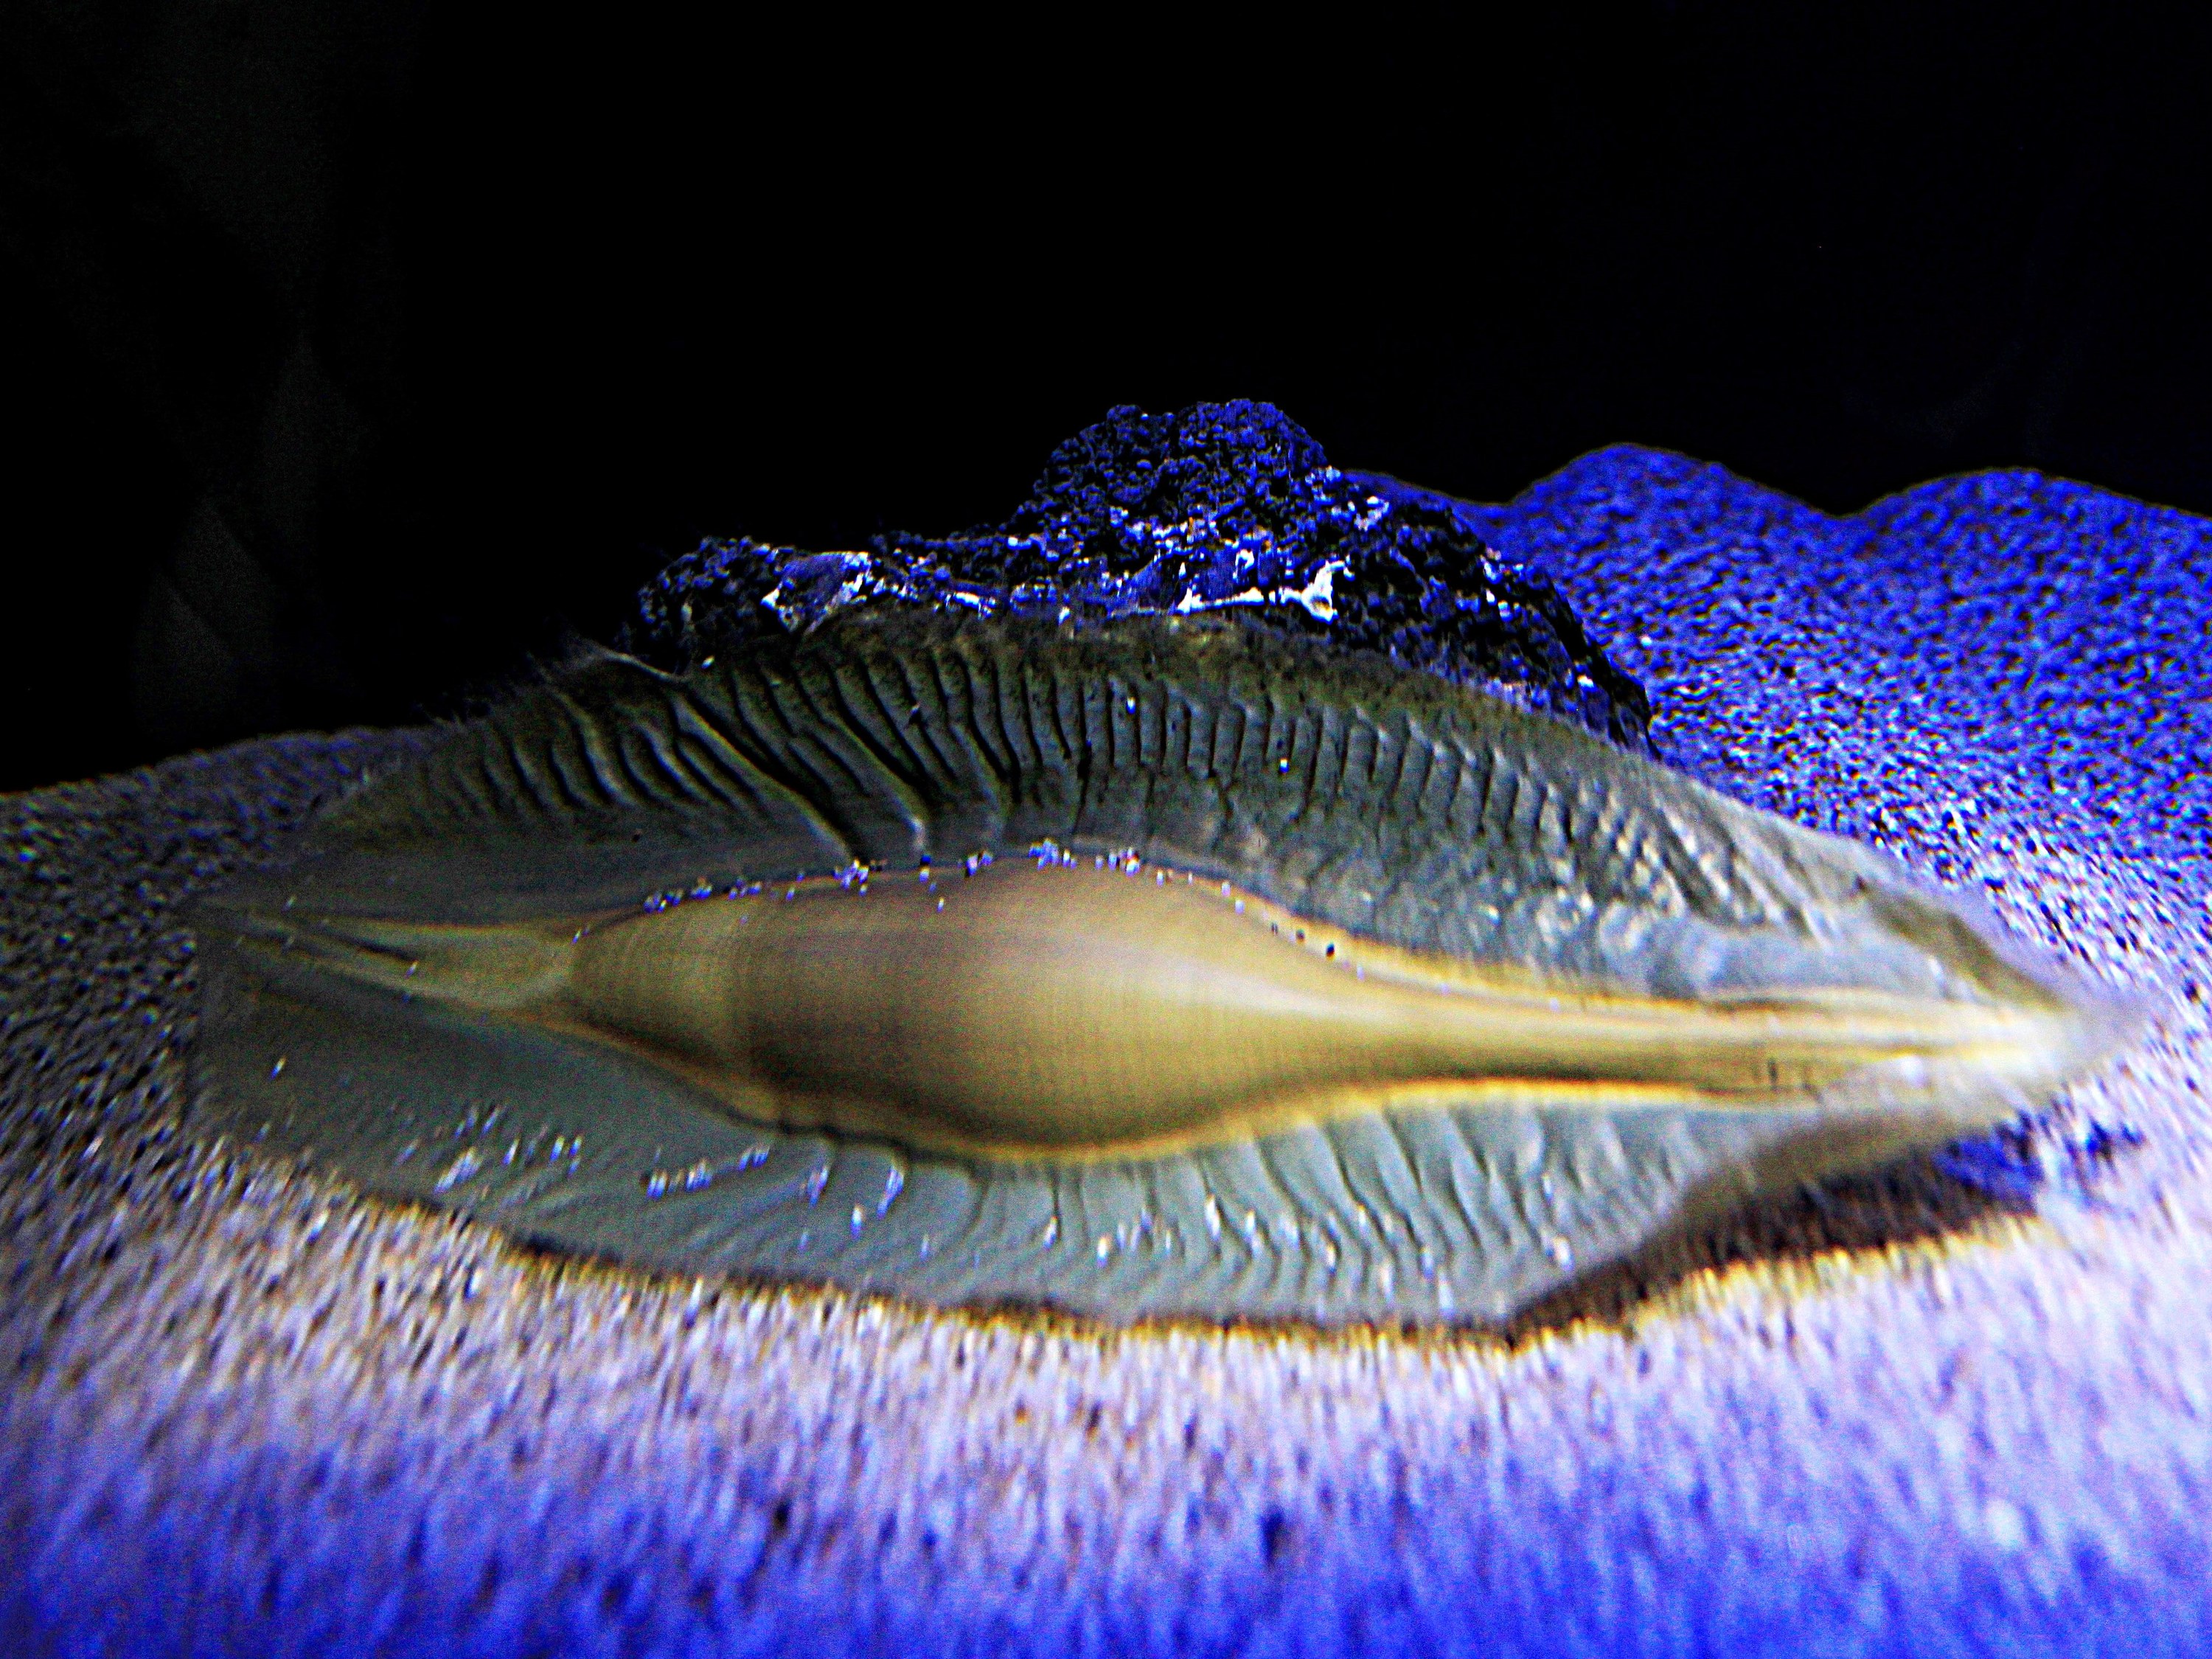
[(1216, 507), (248, 1413)]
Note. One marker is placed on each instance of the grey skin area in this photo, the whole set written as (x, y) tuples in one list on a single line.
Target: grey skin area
[(1418, 816)]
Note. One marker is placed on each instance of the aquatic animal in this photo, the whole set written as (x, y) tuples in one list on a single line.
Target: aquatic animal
[(1172, 966)]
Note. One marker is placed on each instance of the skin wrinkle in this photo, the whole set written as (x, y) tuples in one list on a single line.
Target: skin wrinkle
[(1073, 753), (532, 791), (2071, 1364), (780, 765), (594, 752), (835, 842), (688, 758), (1015, 719), (1455, 1155), (986, 691), (569, 789), (637, 751), (540, 786), (728, 775), (929, 761), (864, 777), (1266, 1157), (884, 774), (795, 754)]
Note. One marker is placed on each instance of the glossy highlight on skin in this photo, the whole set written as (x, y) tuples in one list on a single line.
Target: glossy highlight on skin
[(1043, 1011), (1325, 989)]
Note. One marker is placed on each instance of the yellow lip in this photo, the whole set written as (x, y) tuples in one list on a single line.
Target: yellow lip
[(1049, 1011)]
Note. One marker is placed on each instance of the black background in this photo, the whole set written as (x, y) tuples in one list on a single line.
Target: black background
[(358, 354)]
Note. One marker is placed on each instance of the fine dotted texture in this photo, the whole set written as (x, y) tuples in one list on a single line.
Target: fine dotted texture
[(1361, 794), (245, 1413)]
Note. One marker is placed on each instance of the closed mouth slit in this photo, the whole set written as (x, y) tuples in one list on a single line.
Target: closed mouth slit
[(1300, 939), (1074, 1013)]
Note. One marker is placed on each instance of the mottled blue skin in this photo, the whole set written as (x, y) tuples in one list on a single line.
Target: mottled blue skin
[(1219, 506), (2001, 652)]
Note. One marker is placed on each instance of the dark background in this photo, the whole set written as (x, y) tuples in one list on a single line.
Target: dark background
[(358, 354)]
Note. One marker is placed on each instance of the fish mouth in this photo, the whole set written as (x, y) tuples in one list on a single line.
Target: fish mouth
[(1365, 944), (1063, 1010)]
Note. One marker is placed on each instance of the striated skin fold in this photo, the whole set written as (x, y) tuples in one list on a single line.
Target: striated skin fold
[(1326, 990)]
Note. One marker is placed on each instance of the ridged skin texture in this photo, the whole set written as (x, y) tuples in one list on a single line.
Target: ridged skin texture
[(460, 999)]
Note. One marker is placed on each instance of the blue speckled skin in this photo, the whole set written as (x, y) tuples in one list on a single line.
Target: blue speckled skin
[(1218, 507), (255, 1415)]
